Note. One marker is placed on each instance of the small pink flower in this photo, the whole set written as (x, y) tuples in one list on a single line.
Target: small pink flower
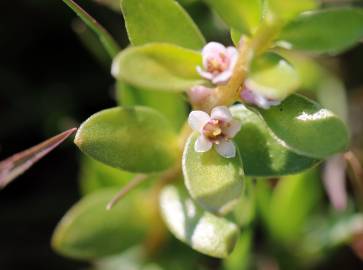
[(218, 62), (253, 97), (217, 129)]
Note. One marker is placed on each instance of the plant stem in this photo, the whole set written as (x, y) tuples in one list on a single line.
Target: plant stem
[(106, 39), (137, 180)]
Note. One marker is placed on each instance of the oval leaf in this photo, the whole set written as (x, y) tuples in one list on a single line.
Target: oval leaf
[(213, 181), (160, 21), (243, 15), (89, 231), (272, 76), (203, 231), (158, 66), (262, 153), (137, 139), (324, 31), (306, 127)]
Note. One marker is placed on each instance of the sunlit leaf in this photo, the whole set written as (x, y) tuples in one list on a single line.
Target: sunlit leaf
[(160, 21), (158, 66), (306, 127), (272, 76), (243, 15), (89, 231), (204, 232), (172, 105), (213, 181), (137, 139), (17, 164), (324, 31), (263, 154)]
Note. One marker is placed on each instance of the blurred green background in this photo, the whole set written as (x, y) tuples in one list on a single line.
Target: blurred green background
[(49, 82)]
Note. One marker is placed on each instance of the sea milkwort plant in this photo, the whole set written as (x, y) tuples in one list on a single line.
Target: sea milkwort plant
[(201, 127)]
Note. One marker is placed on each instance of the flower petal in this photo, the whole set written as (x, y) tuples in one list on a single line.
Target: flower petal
[(233, 129), (197, 120), (202, 144), (223, 77), (204, 74), (221, 113), (226, 149)]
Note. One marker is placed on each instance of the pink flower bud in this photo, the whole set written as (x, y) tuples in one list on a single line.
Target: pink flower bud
[(198, 94), (255, 98)]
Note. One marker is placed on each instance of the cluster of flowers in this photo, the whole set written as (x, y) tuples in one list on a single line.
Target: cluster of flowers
[(219, 128)]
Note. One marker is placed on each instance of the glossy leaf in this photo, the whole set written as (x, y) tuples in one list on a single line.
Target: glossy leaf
[(89, 231), (263, 154), (203, 231), (171, 105), (324, 31), (161, 21), (95, 175), (287, 10), (158, 66), (272, 76), (136, 139), (17, 164), (243, 15), (213, 181), (306, 127)]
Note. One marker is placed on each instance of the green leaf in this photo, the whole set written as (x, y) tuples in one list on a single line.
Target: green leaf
[(136, 139), (241, 255), (95, 175), (287, 10), (158, 66), (203, 231), (171, 105), (160, 21), (243, 15), (306, 127), (106, 39), (273, 77), (213, 181), (292, 202), (89, 231), (262, 153), (325, 31)]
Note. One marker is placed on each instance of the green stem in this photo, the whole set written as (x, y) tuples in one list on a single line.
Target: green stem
[(106, 39)]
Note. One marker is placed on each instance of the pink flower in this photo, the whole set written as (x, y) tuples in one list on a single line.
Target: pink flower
[(217, 129), (253, 97), (218, 62)]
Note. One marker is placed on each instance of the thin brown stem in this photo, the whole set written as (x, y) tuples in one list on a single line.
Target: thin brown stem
[(136, 181)]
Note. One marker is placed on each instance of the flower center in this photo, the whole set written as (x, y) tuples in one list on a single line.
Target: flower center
[(217, 64), (213, 130)]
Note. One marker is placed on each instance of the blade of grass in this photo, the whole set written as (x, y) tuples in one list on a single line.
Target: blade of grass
[(17, 164), (106, 39)]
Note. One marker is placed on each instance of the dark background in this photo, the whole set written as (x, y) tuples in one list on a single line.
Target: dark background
[(48, 83)]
